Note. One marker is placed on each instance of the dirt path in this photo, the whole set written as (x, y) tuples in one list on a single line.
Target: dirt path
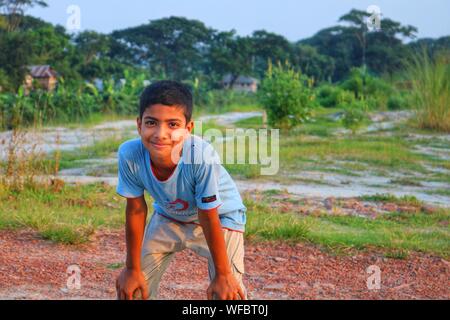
[(32, 268)]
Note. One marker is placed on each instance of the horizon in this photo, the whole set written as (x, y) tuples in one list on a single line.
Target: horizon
[(286, 20)]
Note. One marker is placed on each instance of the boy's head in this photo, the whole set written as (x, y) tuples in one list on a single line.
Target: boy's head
[(165, 118), (168, 93)]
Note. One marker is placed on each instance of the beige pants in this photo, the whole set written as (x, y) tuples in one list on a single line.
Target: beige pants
[(164, 237)]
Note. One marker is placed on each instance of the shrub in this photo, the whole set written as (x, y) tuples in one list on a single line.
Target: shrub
[(375, 91), (345, 99), (397, 102), (70, 102), (354, 115), (430, 81), (355, 82), (330, 96), (286, 96)]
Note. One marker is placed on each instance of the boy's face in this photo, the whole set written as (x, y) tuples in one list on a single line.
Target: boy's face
[(163, 129)]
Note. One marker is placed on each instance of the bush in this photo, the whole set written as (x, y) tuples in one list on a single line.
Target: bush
[(70, 102), (375, 91), (345, 99), (397, 102), (329, 96), (354, 115), (355, 82), (4, 81), (430, 80), (286, 96), (377, 87)]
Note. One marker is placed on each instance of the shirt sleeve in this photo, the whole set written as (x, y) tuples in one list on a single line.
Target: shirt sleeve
[(128, 186), (207, 184)]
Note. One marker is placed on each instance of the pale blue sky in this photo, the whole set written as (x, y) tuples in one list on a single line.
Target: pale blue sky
[(294, 19)]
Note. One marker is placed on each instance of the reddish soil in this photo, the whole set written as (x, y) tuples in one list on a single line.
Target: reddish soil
[(32, 268)]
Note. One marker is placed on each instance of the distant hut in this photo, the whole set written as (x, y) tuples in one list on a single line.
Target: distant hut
[(44, 75), (242, 83)]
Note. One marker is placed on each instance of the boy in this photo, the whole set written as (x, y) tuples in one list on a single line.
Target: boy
[(196, 203)]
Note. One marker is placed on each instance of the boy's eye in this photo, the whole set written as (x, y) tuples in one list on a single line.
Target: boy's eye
[(150, 122), (174, 125)]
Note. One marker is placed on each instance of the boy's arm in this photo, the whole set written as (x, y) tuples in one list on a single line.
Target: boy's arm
[(224, 286), (131, 277)]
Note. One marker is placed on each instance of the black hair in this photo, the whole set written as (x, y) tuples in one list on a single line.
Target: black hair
[(169, 93)]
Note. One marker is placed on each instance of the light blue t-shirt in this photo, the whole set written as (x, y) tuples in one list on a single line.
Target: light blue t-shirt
[(199, 181)]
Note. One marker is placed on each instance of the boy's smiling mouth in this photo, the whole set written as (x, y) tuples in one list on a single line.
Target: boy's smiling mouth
[(160, 145)]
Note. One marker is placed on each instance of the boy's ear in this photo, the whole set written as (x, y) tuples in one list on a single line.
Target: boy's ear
[(138, 124), (190, 126)]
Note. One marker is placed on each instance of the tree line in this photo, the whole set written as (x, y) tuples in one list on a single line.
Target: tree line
[(185, 49)]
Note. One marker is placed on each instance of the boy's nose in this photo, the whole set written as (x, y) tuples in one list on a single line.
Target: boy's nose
[(162, 132)]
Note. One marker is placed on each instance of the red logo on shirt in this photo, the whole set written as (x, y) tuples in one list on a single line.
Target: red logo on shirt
[(178, 205)]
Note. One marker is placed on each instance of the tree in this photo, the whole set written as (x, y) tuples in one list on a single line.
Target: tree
[(432, 46), (15, 49), (351, 45), (307, 59), (268, 46), (357, 21), (382, 50), (94, 49), (47, 45), (338, 44), (172, 47), (36, 42), (92, 45), (14, 10), (230, 54)]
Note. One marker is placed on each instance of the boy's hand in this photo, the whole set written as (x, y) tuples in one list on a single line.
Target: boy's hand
[(128, 282), (225, 287)]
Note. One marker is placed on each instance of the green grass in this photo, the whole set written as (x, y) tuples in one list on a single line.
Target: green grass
[(395, 234), (100, 149), (347, 169), (102, 171), (387, 152), (115, 266), (405, 200), (298, 150), (233, 107), (265, 224), (254, 123), (441, 192), (312, 146), (407, 182), (321, 127), (430, 82), (91, 121), (72, 214), (397, 254), (207, 125), (244, 171)]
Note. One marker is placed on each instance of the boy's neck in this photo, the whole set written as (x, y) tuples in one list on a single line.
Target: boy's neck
[(162, 169), (163, 163)]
